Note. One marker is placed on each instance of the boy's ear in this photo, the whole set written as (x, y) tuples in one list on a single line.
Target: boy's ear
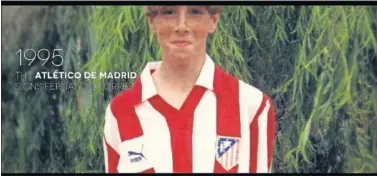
[(151, 24), (215, 21)]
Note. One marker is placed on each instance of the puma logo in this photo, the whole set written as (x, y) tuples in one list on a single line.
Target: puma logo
[(139, 155)]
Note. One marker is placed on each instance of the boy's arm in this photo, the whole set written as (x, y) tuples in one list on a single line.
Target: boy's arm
[(262, 134), (111, 142), (270, 133)]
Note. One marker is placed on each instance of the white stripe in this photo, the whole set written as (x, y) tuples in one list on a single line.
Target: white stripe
[(233, 156), (222, 159), (226, 160), (204, 134), (262, 161), (250, 99), (230, 158), (157, 148), (227, 156), (105, 155), (236, 153), (111, 130)]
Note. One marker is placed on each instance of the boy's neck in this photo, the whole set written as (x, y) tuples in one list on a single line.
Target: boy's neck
[(179, 74)]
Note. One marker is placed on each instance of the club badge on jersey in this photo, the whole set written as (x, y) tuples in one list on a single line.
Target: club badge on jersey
[(227, 150)]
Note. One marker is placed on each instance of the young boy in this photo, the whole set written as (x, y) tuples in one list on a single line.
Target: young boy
[(184, 114)]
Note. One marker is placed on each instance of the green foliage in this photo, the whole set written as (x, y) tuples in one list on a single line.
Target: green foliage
[(319, 63)]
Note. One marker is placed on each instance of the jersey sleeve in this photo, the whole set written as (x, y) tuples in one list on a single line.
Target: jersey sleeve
[(262, 134), (270, 133), (111, 142)]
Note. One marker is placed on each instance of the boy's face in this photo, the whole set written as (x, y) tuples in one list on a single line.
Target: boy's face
[(182, 30)]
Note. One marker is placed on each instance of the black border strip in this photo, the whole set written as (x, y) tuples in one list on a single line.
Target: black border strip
[(266, 2)]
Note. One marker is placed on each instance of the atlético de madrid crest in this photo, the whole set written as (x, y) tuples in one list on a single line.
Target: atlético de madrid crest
[(227, 149)]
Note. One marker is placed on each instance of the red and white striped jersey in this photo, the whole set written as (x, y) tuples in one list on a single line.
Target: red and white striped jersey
[(224, 125)]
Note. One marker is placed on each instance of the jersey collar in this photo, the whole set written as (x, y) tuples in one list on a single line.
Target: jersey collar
[(149, 90)]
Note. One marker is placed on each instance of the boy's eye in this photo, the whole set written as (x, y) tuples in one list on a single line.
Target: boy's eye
[(196, 11), (167, 12)]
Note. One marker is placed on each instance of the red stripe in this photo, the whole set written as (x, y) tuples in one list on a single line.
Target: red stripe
[(187, 113), (270, 132), (228, 112), (151, 170), (254, 137), (227, 92), (123, 109), (180, 124), (112, 159)]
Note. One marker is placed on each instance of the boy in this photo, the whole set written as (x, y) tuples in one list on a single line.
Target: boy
[(185, 114)]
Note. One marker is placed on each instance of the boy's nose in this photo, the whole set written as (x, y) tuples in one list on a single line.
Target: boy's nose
[(182, 23)]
